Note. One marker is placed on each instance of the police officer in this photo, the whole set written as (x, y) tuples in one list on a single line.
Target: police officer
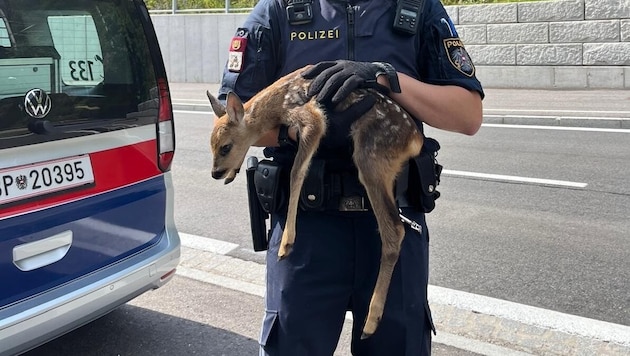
[(416, 52)]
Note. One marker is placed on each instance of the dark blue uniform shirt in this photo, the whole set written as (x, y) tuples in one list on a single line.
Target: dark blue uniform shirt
[(361, 32)]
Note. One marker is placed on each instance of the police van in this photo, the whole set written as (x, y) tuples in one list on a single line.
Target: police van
[(86, 145)]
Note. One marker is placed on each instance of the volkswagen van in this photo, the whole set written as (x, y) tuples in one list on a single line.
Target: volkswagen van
[(86, 145)]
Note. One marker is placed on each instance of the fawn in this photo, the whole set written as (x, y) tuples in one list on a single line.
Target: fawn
[(384, 139)]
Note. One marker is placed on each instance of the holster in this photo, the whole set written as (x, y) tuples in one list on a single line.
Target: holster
[(257, 215), (268, 189), (423, 177)]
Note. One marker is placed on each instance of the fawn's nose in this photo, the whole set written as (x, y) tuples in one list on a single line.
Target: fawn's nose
[(218, 174)]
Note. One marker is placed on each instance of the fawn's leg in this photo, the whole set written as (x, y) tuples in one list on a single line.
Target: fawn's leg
[(310, 135), (378, 179)]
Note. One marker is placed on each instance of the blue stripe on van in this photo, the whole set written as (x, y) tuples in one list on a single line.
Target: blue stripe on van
[(106, 228)]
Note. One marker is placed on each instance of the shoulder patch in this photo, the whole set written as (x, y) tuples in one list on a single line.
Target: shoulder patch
[(458, 56), (237, 51)]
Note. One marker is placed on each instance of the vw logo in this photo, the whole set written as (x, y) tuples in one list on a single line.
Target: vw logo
[(37, 103)]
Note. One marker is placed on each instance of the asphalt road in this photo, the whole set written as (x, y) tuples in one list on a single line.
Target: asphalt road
[(530, 215), (555, 245), (185, 317), (560, 242)]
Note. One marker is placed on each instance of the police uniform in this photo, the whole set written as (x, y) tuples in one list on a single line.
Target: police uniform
[(334, 262)]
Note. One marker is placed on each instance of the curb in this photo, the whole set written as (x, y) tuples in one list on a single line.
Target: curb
[(191, 107), (525, 328), (508, 328), (565, 121)]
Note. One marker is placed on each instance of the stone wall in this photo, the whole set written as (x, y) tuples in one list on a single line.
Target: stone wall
[(564, 44)]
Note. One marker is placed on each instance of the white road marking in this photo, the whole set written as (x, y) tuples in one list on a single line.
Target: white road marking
[(594, 112), (501, 177), (558, 128)]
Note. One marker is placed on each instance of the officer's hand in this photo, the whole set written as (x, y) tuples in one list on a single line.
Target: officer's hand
[(339, 123), (335, 80)]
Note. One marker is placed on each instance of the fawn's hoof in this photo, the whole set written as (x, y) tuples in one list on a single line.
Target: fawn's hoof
[(370, 327), (284, 251)]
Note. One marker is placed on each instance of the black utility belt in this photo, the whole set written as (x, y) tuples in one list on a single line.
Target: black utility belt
[(268, 189), (349, 203), (322, 190), (341, 191)]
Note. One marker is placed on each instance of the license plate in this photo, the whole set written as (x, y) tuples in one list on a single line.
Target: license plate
[(37, 179)]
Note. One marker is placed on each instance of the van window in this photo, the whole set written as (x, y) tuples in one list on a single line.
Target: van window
[(72, 68), (5, 40), (76, 40)]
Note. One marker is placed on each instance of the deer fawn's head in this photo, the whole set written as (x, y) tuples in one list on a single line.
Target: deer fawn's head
[(230, 138)]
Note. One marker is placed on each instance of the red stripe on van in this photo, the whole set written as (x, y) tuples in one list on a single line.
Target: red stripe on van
[(112, 169)]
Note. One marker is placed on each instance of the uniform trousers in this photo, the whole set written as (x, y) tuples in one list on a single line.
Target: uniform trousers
[(331, 269)]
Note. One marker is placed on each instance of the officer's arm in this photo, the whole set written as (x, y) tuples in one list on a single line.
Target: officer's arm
[(270, 139), (446, 107)]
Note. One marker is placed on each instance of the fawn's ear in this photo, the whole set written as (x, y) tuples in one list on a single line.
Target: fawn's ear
[(217, 107), (234, 107)]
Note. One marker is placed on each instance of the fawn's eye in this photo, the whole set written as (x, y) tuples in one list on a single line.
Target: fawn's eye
[(225, 149)]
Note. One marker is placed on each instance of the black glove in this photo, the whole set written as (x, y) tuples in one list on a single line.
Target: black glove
[(339, 122), (335, 80)]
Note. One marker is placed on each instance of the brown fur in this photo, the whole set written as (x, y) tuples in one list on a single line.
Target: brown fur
[(384, 139)]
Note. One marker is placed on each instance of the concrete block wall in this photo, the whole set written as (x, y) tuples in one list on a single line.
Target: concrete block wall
[(557, 44), (563, 44), (195, 46)]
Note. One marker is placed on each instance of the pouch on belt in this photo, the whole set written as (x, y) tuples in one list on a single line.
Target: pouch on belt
[(257, 215), (313, 194), (264, 196), (424, 176)]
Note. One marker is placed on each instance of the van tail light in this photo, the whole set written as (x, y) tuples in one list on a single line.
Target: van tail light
[(165, 127)]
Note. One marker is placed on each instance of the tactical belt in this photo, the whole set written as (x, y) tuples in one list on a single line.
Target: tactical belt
[(341, 191)]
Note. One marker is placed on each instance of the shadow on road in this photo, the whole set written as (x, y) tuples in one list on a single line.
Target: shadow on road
[(131, 330)]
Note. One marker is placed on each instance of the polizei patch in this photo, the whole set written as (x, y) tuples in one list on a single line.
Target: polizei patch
[(458, 56)]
